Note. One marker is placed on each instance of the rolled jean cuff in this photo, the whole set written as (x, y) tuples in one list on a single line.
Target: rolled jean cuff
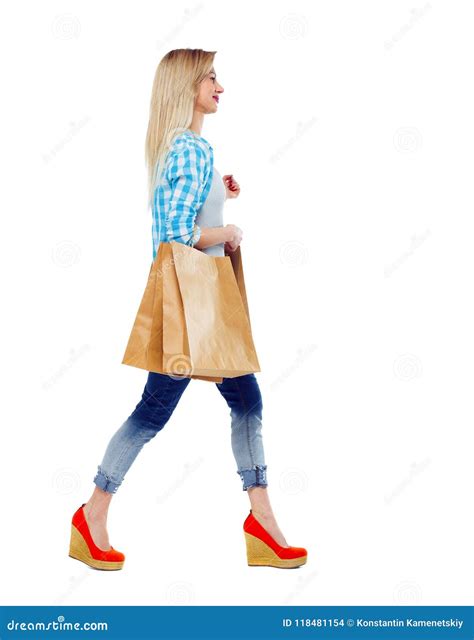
[(104, 482), (255, 477)]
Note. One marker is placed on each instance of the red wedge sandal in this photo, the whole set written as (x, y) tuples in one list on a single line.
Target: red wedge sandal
[(83, 548), (263, 550)]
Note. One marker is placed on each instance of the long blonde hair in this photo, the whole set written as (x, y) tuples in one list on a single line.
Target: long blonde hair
[(175, 88)]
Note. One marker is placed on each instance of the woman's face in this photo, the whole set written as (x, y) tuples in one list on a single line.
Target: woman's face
[(208, 96)]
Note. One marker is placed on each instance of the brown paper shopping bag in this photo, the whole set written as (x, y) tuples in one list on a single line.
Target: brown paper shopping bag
[(172, 324), (145, 345), (193, 319), (139, 343), (219, 339)]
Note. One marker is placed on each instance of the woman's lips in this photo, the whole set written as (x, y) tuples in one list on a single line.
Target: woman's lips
[(216, 98)]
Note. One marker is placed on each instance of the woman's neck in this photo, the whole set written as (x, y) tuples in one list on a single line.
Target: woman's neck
[(196, 122)]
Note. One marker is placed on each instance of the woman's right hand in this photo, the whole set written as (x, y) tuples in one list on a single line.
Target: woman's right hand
[(233, 236)]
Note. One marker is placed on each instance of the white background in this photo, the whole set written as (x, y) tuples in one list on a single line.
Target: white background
[(349, 128)]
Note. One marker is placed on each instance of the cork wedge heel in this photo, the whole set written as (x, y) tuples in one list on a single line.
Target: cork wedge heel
[(83, 548), (264, 551)]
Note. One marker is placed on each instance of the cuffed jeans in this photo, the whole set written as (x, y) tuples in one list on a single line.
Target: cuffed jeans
[(159, 399)]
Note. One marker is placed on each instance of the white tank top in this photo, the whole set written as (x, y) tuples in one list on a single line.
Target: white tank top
[(211, 214)]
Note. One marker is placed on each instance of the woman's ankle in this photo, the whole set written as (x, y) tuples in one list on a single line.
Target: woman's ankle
[(264, 513), (95, 513)]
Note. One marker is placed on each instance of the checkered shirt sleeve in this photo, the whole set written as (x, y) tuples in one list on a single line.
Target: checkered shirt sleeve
[(186, 173)]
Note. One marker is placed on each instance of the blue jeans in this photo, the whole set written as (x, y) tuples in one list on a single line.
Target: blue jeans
[(159, 399)]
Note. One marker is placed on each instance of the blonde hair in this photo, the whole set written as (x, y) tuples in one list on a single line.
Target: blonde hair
[(175, 88)]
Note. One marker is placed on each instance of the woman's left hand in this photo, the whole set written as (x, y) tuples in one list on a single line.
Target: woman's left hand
[(231, 186)]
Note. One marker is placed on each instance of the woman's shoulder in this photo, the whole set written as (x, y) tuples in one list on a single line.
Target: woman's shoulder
[(189, 140)]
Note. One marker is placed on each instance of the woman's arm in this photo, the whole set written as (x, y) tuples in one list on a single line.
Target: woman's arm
[(185, 174), (217, 235), (211, 236)]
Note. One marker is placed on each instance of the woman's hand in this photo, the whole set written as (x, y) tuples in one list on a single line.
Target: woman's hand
[(233, 237), (231, 186), (228, 248)]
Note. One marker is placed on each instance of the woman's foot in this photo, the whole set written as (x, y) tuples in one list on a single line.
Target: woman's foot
[(268, 522), (263, 513), (98, 527)]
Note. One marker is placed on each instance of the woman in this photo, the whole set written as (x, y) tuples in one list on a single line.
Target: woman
[(186, 201)]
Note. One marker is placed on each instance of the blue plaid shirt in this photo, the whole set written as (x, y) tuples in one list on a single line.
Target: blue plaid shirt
[(183, 189)]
